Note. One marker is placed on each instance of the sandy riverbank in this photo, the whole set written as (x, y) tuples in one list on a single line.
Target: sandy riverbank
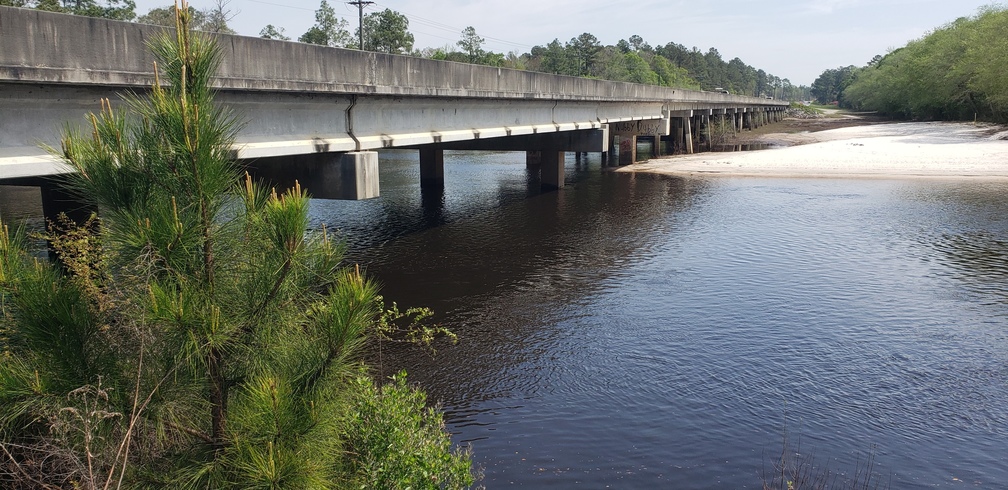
[(934, 150)]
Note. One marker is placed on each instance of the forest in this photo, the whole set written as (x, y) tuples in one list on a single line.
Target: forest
[(956, 72)]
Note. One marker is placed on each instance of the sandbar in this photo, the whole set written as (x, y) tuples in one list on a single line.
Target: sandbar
[(885, 150)]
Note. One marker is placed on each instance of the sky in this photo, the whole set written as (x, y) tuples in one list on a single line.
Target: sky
[(792, 39)]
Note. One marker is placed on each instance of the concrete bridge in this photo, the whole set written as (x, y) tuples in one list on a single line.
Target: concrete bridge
[(320, 113)]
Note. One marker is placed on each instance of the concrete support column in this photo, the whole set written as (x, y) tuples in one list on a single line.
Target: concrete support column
[(663, 130), (613, 145), (688, 134), (533, 158), (552, 172), (432, 168), (679, 141), (627, 149), (359, 175), (606, 144)]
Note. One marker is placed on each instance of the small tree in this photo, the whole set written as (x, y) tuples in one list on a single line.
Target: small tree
[(202, 338)]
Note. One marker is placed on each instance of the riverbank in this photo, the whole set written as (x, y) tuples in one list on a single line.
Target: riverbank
[(853, 146)]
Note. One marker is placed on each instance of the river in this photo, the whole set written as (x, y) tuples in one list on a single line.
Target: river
[(645, 331), (639, 331)]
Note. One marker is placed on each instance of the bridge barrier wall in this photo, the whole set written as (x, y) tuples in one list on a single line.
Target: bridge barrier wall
[(57, 48)]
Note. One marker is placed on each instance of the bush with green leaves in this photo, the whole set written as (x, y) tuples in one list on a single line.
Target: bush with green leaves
[(197, 336), (954, 72), (399, 442)]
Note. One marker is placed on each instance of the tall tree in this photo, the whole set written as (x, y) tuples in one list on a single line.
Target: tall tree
[(201, 337), (329, 30), (829, 86), (387, 32), (471, 44), (639, 71), (554, 58), (583, 50)]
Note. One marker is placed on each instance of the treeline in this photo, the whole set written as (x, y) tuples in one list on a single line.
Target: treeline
[(957, 72), (634, 60)]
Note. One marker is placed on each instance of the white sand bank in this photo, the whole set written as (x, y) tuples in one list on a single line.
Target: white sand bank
[(936, 150)]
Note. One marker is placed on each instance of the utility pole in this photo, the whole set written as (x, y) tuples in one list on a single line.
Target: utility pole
[(360, 25)]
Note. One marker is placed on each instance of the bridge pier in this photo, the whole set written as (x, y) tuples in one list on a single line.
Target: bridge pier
[(432, 168), (627, 148), (663, 129), (688, 133), (551, 170), (533, 158), (550, 164)]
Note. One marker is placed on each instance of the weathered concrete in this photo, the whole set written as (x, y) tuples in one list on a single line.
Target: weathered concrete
[(359, 172), (688, 133), (303, 99), (552, 170)]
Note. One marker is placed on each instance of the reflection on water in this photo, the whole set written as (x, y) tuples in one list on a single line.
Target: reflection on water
[(639, 331)]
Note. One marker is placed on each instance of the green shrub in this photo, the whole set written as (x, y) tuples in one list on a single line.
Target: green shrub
[(395, 441)]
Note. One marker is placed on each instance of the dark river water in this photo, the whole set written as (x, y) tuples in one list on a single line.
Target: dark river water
[(639, 331)]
